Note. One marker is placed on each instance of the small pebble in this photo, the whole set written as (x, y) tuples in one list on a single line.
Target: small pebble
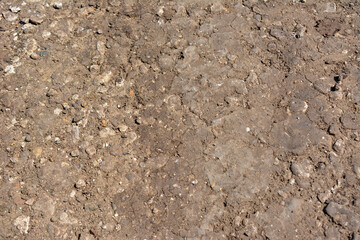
[(24, 20), (57, 111), (81, 198), (299, 31), (28, 28), (9, 16), (73, 193), (91, 150), (46, 34), (330, 7), (86, 236), (9, 69), (36, 20), (43, 53), (298, 106), (37, 151), (334, 129), (28, 138), (58, 5), (324, 196), (80, 183), (64, 218), (30, 201), (301, 169), (91, 206), (339, 146), (106, 132), (292, 181), (22, 224), (75, 153), (217, 7), (14, 9), (336, 95), (123, 128), (34, 56)]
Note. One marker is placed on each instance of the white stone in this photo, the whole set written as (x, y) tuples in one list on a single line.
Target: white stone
[(105, 77), (106, 132), (58, 5), (22, 223), (9, 69), (80, 183), (14, 9), (64, 218), (100, 46), (9, 16), (57, 111), (46, 34), (73, 193), (330, 7)]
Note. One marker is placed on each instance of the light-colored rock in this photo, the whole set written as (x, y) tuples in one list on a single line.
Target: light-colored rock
[(14, 9), (57, 111), (91, 150), (339, 146), (22, 223), (64, 218), (9, 16), (298, 106), (87, 236), (100, 46), (330, 7), (28, 28), (58, 5), (30, 201), (9, 69), (106, 132), (301, 169), (37, 152), (130, 137), (324, 196), (45, 205), (37, 20), (46, 34), (80, 183), (105, 77)]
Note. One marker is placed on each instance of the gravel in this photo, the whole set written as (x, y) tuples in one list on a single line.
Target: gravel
[(9, 16), (22, 224)]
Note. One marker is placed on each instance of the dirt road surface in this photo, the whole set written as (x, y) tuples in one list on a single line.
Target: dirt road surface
[(125, 119)]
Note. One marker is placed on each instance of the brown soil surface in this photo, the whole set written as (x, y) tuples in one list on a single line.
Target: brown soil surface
[(125, 119)]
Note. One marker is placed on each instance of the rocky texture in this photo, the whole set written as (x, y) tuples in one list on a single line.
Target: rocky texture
[(179, 119), (343, 216)]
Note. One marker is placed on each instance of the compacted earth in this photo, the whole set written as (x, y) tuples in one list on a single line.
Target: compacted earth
[(189, 119)]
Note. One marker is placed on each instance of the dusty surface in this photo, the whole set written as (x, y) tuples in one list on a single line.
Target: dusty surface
[(179, 119)]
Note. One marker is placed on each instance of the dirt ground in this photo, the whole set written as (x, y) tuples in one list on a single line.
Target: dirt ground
[(125, 119)]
